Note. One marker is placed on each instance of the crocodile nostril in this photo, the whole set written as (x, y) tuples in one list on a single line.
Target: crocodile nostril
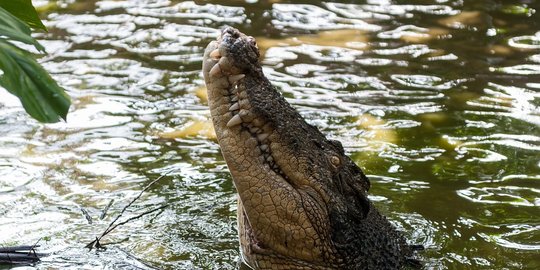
[(231, 31)]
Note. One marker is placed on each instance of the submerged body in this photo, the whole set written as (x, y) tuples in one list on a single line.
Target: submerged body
[(302, 202)]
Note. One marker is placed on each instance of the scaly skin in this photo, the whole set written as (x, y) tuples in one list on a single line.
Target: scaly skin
[(302, 202)]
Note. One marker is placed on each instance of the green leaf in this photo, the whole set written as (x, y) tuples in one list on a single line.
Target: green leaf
[(23, 10), (40, 95), (15, 29)]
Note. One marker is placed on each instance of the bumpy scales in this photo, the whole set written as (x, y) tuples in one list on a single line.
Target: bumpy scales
[(302, 202)]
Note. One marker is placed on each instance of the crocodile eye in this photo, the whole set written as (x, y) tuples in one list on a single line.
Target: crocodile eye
[(335, 160)]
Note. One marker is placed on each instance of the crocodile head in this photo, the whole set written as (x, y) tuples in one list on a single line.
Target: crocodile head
[(302, 201)]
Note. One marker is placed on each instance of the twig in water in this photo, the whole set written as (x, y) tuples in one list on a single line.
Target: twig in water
[(86, 215), (19, 254), (137, 216), (104, 212), (96, 244)]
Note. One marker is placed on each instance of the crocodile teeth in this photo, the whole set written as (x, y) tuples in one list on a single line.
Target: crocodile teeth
[(224, 62), (246, 115), (215, 54), (235, 120), (235, 78), (216, 69), (262, 136), (264, 147), (234, 107), (234, 98)]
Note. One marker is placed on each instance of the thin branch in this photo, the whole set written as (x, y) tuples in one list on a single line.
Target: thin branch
[(106, 209), (95, 243), (136, 217), (129, 204)]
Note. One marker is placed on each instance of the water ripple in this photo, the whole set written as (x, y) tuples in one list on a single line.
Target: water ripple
[(367, 61), (92, 27), (414, 50), (517, 179), (405, 30), (173, 39), (424, 81), (317, 52), (525, 69), (412, 91), (423, 231), (403, 154), (395, 184), (15, 174), (106, 74), (356, 11), (387, 11), (108, 5), (310, 17), (479, 154), (510, 101), (324, 80), (526, 142), (90, 54), (155, 41), (525, 42), (521, 236), (96, 113), (512, 195), (404, 10), (190, 10)]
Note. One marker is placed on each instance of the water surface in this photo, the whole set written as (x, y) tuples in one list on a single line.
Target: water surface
[(438, 101)]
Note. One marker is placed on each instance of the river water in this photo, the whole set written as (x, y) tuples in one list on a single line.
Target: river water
[(438, 101)]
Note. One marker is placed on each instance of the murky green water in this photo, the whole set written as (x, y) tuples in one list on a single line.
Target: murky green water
[(438, 101)]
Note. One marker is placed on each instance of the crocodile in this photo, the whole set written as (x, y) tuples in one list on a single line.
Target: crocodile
[(302, 201)]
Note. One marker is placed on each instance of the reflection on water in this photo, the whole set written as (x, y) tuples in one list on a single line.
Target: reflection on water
[(439, 102)]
